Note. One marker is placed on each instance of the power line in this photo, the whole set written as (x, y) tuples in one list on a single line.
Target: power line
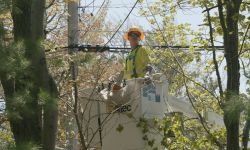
[(148, 32), (88, 5), (119, 49), (97, 48), (116, 6), (122, 22), (113, 7)]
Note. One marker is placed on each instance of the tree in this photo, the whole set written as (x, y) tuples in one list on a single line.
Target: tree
[(228, 24), (30, 92)]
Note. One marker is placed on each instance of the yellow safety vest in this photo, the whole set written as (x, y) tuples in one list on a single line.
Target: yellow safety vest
[(136, 62)]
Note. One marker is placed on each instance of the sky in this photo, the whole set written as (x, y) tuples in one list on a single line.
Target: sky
[(118, 10)]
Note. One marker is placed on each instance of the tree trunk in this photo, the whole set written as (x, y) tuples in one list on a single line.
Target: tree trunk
[(46, 82), (31, 123), (233, 74)]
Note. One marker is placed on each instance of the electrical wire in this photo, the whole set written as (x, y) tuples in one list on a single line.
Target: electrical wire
[(122, 23), (115, 6), (90, 26), (88, 5)]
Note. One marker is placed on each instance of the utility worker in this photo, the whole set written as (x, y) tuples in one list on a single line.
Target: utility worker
[(137, 61), (136, 64)]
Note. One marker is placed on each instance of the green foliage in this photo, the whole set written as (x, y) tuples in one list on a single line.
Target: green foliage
[(233, 107), (26, 146), (119, 128), (4, 6), (17, 68), (1, 33), (15, 63), (47, 100), (143, 124), (43, 97), (6, 137), (180, 134)]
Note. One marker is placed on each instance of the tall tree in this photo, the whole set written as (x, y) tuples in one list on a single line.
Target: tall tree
[(229, 24), (30, 92)]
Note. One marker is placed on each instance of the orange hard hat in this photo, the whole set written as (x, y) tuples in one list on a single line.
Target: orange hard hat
[(134, 29)]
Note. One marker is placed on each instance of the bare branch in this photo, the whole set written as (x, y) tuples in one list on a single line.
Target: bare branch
[(244, 38), (202, 121), (244, 69), (244, 51), (50, 4), (48, 21), (247, 3), (214, 54), (56, 25), (210, 8)]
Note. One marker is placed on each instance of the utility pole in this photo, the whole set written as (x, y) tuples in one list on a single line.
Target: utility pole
[(73, 35)]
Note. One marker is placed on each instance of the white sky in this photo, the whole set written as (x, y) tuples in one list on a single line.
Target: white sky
[(118, 10)]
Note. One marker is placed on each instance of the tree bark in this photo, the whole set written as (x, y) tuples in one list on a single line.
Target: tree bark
[(46, 82), (231, 42)]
